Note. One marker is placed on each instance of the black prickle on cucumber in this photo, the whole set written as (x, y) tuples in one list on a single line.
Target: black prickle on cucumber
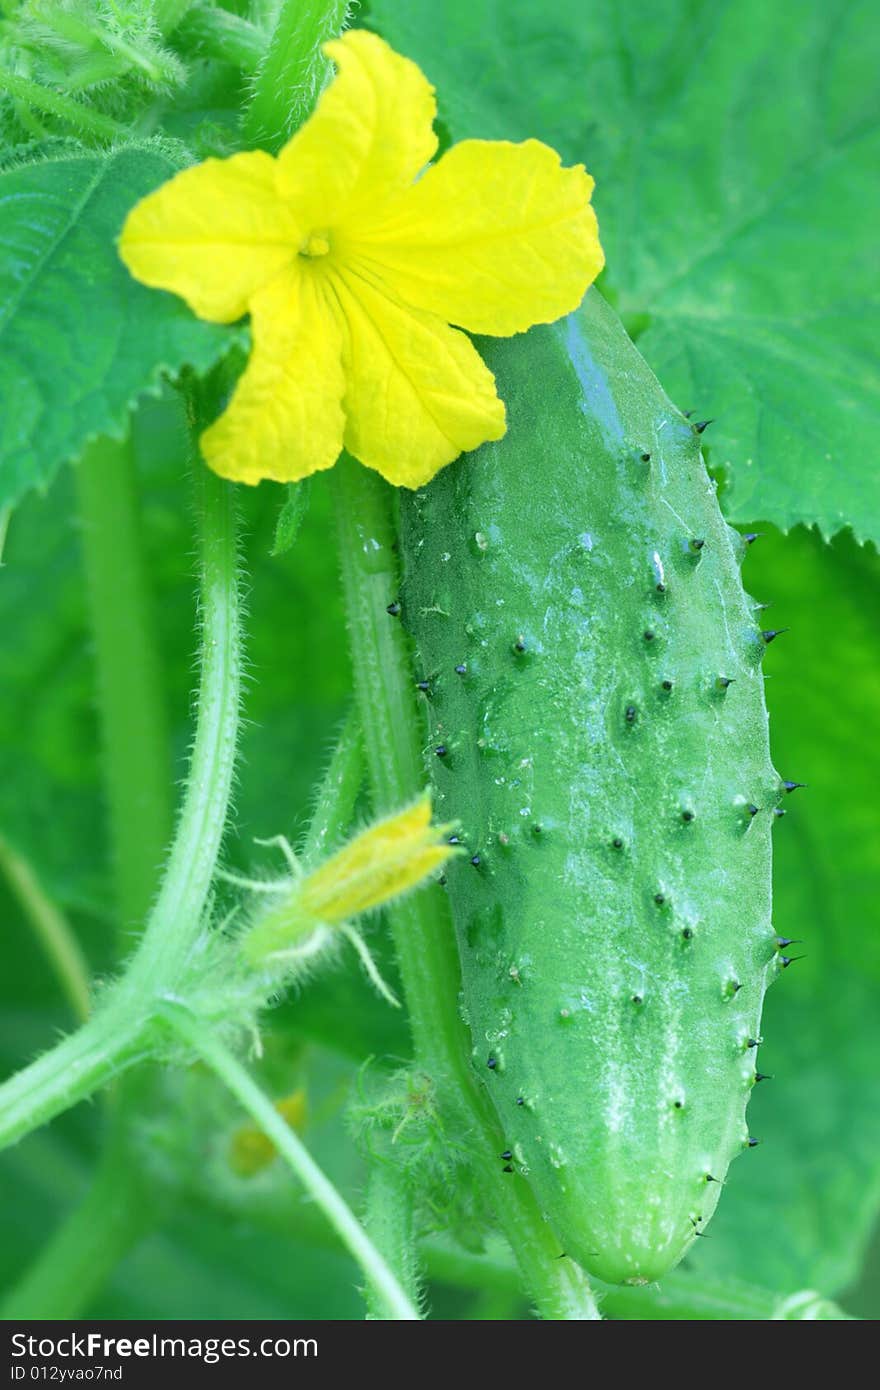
[(592, 672)]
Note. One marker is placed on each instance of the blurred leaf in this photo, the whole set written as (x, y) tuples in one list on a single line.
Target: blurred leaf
[(50, 805), (79, 338), (204, 1265), (735, 151), (799, 1210)]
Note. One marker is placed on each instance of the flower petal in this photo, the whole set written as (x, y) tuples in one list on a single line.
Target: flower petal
[(495, 237), (370, 135), (418, 393), (377, 865), (285, 418), (213, 234)]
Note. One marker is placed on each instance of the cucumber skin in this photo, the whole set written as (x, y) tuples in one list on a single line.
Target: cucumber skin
[(612, 1031)]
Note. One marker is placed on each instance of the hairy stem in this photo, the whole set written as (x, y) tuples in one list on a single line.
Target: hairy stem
[(390, 1223), (294, 70), (72, 113), (294, 1153), (118, 1209), (136, 773), (217, 33), (385, 690), (119, 1031), (421, 925), (137, 762), (76, 1067), (51, 928), (175, 920), (337, 793)]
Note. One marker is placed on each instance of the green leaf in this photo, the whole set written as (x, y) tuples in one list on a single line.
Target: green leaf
[(735, 151), (79, 338), (799, 1210)]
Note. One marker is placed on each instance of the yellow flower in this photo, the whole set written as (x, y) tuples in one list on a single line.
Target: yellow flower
[(378, 865), (352, 268), (250, 1150)]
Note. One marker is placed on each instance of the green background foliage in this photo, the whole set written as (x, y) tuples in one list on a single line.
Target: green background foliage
[(80, 340), (733, 149)]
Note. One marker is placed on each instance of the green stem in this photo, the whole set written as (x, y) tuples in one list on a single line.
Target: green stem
[(684, 1298), (449, 1264), (494, 1305), (390, 1223), (337, 793), (82, 118), (76, 1067), (680, 1297), (233, 1075), (133, 725), (220, 34), (294, 71), (291, 516), (52, 929), (421, 925), (97, 35), (118, 1033), (115, 1212), (385, 689), (132, 57), (175, 921)]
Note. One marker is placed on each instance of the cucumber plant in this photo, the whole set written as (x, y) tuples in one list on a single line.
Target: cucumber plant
[(587, 701), (591, 668)]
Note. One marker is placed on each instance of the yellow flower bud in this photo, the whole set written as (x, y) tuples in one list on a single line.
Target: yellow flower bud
[(380, 864), (250, 1150)]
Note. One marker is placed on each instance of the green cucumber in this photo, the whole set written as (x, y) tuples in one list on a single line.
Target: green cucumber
[(591, 667)]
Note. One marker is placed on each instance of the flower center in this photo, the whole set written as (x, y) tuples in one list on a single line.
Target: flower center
[(316, 244)]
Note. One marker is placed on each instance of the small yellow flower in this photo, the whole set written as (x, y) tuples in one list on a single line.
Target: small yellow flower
[(378, 865), (352, 267), (250, 1150)]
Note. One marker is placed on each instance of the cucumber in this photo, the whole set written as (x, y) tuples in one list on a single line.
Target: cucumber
[(591, 671)]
